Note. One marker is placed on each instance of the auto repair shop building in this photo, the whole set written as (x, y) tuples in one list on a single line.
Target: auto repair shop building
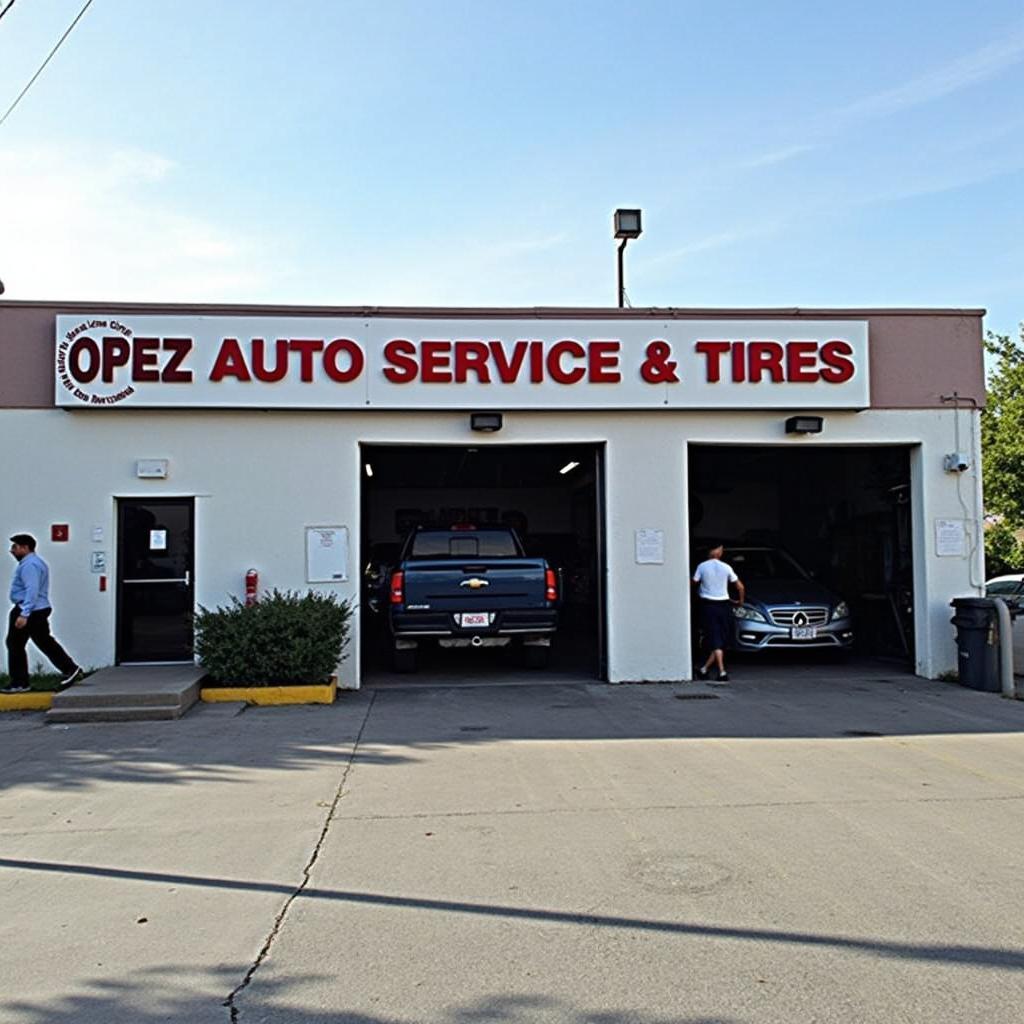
[(159, 452)]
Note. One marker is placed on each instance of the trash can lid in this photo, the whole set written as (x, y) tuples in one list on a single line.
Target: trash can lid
[(972, 602)]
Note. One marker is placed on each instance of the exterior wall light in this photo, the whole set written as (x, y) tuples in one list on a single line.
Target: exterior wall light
[(627, 226), (804, 424), (488, 422)]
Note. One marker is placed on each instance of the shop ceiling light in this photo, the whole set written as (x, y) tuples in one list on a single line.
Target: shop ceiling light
[(369, 469), (488, 422), (804, 425), (568, 468), (627, 224)]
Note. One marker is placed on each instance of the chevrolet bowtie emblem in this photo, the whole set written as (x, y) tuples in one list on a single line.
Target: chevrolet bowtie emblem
[(474, 583)]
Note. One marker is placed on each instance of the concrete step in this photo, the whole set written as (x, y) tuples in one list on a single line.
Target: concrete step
[(86, 696), (111, 713), (129, 693)]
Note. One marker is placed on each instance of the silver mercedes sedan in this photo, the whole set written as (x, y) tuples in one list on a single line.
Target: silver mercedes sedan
[(785, 607)]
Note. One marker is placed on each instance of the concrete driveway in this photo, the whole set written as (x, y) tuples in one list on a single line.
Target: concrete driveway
[(817, 845)]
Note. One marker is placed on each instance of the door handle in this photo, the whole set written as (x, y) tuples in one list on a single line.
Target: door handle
[(162, 579)]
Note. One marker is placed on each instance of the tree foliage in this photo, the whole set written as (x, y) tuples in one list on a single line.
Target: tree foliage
[(1002, 441)]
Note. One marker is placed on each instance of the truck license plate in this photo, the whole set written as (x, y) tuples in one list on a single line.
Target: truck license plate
[(474, 619), (803, 633)]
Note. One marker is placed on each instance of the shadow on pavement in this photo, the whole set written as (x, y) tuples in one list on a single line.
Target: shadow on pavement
[(159, 995), (402, 725), (993, 957)]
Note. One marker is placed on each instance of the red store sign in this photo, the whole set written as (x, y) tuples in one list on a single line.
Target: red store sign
[(339, 362)]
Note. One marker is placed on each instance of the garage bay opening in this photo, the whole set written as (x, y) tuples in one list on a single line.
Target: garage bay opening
[(822, 539), (482, 563)]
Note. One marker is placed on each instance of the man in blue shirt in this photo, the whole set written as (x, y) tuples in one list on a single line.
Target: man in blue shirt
[(30, 618)]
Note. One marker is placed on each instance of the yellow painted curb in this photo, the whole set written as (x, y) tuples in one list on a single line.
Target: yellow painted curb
[(38, 700), (267, 695)]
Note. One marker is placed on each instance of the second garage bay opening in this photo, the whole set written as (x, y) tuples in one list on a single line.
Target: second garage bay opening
[(551, 495), (822, 538)]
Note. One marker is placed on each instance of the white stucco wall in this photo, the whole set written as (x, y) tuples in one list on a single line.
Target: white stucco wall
[(260, 477)]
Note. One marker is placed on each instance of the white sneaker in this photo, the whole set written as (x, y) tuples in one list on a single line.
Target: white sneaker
[(73, 678)]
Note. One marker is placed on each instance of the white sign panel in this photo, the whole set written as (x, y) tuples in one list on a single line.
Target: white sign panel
[(352, 363), (650, 547), (326, 554), (950, 538)]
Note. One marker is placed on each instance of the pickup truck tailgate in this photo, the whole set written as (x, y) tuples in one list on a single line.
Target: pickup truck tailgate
[(444, 585)]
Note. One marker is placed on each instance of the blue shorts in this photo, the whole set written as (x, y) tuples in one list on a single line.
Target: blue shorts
[(718, 623)]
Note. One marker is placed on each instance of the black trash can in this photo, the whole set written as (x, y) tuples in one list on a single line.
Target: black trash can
[(977, 642)]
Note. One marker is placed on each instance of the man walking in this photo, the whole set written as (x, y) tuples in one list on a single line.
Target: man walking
[(714, 577), (30, 594)]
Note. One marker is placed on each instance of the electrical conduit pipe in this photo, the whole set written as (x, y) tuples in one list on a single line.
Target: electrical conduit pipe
[(1005, 647)]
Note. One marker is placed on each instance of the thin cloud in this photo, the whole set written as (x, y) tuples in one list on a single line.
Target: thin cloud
[(105, 226), (961, 73), (527, 245), (719, 240), (776, 156), (942, 182)]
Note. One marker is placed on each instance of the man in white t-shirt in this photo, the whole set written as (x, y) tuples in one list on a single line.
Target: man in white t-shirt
[(714, 576)]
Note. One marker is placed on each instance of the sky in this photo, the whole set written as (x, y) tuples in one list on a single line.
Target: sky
[(447, 152)]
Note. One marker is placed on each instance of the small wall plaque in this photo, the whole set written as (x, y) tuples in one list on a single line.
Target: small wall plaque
[(151, 469)]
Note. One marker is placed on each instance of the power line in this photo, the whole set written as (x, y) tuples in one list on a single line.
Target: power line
[(7, 8), (10, 109)]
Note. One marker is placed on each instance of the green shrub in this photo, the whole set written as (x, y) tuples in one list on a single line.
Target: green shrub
[(285, 639)]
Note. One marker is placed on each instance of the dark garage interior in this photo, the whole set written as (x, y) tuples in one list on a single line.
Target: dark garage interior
[(551, 494), (843, 513)]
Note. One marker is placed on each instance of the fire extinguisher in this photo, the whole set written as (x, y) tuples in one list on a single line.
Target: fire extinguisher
[(252, 582)]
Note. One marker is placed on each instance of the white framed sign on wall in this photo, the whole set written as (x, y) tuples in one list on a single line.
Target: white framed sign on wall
[(326, 554)]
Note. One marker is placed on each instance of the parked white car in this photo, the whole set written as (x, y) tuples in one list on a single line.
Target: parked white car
[(1009, 588)]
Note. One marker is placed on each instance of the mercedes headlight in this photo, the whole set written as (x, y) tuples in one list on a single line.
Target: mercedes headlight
[(749, 612), (841, 611)]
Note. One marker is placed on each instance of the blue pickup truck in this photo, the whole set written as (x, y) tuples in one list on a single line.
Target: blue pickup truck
[(471, 587)]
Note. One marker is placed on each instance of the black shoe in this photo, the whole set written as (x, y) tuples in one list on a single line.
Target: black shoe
[(75, 675), (723, 677), (16, 689), (702, 673)]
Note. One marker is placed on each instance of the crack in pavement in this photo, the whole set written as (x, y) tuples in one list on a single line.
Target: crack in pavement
[(264, 952)]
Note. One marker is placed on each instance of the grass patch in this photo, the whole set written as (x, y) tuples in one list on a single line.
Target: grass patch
[(44, 682), (37, 681)]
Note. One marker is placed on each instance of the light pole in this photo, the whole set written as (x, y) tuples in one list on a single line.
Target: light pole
[(627, 226)]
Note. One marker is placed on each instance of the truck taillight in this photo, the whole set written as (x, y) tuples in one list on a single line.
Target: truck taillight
[(550, 585), (397, 587)]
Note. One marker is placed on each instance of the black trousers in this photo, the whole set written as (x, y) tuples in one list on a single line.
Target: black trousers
[(718, 623), (38, 631)]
